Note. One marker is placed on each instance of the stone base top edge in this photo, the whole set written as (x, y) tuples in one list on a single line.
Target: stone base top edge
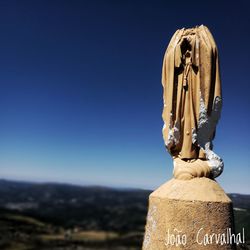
[(197, 189)]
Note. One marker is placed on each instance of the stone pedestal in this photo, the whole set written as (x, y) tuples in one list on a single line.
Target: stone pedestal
[(191, 214)]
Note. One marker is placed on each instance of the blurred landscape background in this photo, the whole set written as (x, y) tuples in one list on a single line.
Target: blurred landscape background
[(81, 103), (50, 216)]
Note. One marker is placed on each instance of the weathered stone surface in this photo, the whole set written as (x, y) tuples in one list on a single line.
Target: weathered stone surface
[(191, 211), (192, 102), (182, 212)]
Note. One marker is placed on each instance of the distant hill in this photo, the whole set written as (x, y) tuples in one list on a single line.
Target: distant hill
[(49, 208), (21, 195), (70, 205), (240, 200)]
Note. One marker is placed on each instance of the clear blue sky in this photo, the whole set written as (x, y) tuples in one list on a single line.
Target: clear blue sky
[(81, 94)]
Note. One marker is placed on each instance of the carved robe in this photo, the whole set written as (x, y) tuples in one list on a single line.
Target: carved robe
[(191, 92)]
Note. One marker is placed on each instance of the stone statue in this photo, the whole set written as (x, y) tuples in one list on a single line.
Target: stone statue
[(185, 210), (192, 102)]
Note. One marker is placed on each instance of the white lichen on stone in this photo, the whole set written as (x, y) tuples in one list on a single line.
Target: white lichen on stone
[(173, 133), (214, 161), (164, 103), (202, 136), (205, 133), (151, 226), (194, 136)]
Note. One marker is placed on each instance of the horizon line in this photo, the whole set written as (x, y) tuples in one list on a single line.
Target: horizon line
[(37, 182)]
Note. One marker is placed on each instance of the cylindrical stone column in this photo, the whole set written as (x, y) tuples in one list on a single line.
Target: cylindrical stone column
[(190, 214)]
